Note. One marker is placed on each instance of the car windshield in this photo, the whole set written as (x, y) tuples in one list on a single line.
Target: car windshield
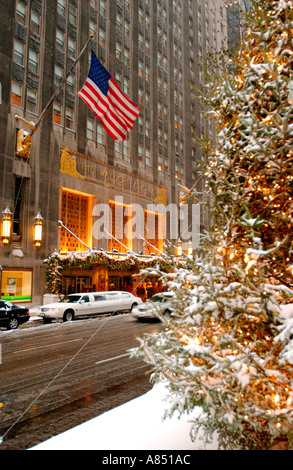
[(6, 304), (160, 298), (70, 298)]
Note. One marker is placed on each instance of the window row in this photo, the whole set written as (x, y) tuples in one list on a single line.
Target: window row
[(19, 56), (68, 10), (18, 98), (33, 20)]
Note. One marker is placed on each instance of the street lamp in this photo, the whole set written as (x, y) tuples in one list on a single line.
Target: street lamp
[(179, 248), (38, 233), (6, 226), (190, 248)]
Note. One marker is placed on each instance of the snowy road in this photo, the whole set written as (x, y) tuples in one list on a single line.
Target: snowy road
[(54, 377)]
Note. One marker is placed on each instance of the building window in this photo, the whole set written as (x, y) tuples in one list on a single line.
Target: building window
[(75, 210), (33, 61), (118, 50), (72, 14), (119, 227), (100, 134), (71, 47), (93, 27), (126, 57), (58, 75), (103, 7), (60, 39), (102, 37), (16, 285), (90, 129), (154, 223), (119, 22), (140, 96), (69, 119), (57, 113), (61, 7), (35, 23), (21, 12), (118, 78), (19, 186), (31, 101), (140, 152), (18, 52), (125, 147), (126, 86), (70, 84), (126, 28), (147, 157), (141, 40), (16, 94), (118, 146), (140, 124), (140, 68)]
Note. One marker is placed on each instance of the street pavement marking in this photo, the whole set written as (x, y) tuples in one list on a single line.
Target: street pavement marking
[(46, 346), (112, 359)]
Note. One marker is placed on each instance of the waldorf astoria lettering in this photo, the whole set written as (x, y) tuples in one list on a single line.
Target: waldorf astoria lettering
[(91, 169)]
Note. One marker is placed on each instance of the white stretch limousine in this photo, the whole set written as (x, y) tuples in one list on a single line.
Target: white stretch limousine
[(87, 304)]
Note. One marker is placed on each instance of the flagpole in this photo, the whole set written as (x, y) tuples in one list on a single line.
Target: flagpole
[(73, 234), (45, 110), (61, 85)]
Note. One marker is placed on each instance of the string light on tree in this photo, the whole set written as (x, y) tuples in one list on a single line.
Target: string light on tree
[(228, 345)]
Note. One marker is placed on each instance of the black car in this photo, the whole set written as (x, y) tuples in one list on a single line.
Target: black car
[(11, 316)]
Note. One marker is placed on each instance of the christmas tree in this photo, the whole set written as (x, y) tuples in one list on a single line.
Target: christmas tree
[(228, 347)]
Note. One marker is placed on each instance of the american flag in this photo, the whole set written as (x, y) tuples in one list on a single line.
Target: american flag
[(110, 105)]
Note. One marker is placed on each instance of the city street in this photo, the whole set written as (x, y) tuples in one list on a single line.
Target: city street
[(54, 377)]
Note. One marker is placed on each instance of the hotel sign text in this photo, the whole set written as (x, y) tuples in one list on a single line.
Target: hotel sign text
[(90, 169)]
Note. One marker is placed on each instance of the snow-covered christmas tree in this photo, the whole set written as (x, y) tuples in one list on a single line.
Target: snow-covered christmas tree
[(228, 347)]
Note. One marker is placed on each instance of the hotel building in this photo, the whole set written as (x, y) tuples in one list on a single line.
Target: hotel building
[(156, 51)]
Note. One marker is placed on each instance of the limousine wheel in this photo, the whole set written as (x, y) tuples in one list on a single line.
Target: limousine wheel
[(68, 315)]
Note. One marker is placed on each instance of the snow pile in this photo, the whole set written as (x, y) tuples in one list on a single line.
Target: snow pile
[(136, 425)]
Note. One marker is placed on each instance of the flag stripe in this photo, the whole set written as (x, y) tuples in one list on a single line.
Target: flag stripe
[(109, 126), (110, 105), (102, 108), (124, 102), (104, 118), (129, 120)]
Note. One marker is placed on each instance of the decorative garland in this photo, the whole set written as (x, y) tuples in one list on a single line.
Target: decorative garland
[(56, 262)]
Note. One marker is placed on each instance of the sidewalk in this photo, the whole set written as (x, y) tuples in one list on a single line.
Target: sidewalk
[(136, 425)]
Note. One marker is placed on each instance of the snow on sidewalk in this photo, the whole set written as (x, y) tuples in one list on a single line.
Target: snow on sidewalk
[(136, 425)]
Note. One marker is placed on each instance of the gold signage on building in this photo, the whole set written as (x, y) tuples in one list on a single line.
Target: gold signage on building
[(92, 169), (68, 164)]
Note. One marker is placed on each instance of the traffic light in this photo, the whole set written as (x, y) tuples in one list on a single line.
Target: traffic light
[(23, 143)]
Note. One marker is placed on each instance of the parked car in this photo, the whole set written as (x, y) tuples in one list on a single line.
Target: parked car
[(11, 316), (158, 303), (87, 304)]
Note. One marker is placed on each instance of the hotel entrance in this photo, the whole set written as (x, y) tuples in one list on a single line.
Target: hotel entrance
[(121, 281), (98, 278), (76, 284)]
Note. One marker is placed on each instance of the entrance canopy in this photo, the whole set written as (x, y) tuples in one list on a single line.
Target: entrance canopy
[(102, 263)]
